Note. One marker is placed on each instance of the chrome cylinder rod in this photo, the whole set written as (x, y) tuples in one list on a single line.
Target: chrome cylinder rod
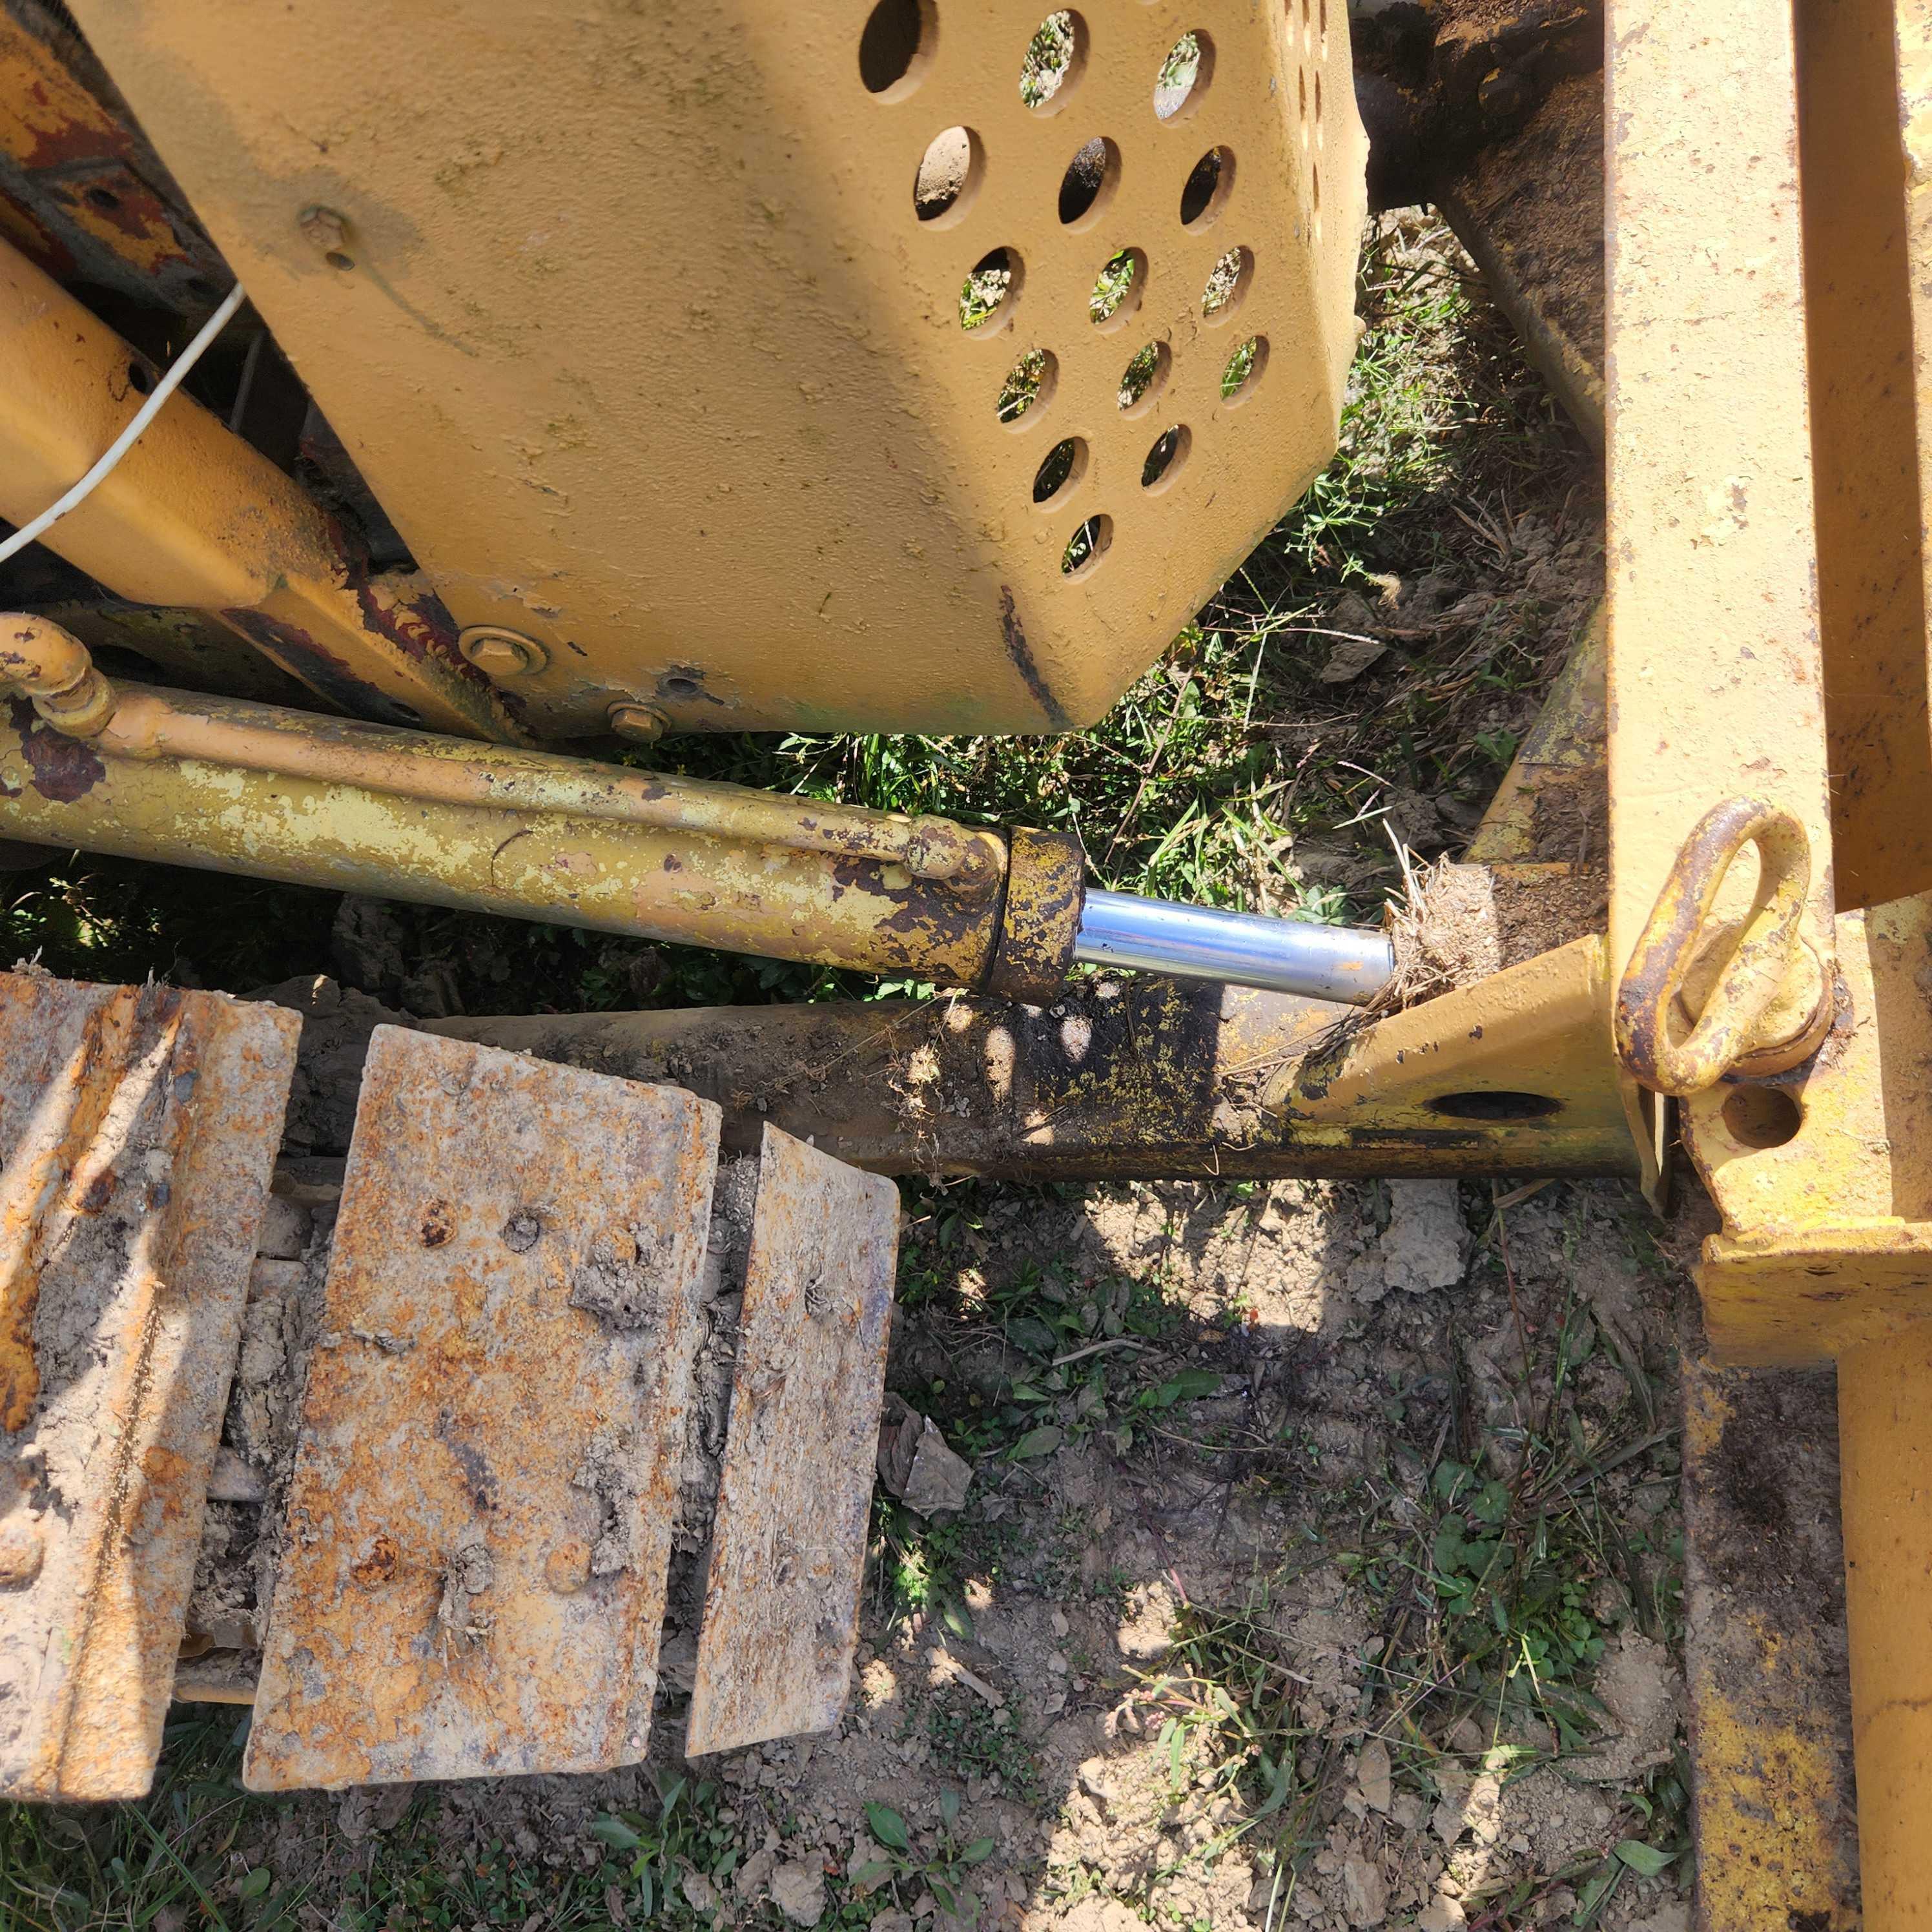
[(1281, 956)]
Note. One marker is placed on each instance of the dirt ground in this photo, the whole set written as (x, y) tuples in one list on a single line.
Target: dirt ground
[(1320, 1568), (1320, 1565)]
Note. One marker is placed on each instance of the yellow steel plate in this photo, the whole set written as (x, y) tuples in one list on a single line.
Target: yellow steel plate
[(634, 322)]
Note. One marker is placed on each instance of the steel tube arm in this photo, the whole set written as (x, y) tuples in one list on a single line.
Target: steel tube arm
[(1281, 956)]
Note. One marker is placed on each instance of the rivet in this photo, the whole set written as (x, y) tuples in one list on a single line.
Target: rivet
[(497, 652), (641, 723), (326, 230)]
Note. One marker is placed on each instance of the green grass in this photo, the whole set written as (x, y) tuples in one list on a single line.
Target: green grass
[(1199, 785), (1218, 764), (1482, 1605)]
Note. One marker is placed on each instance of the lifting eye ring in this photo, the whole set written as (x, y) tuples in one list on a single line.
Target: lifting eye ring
[(1764, 965)]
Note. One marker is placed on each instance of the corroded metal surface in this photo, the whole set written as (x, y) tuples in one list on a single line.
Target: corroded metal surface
[(1553, 804), (788, 1548), (479, 1521), (530, 835), (1885, 1444), (1862, 281), (1821, 1174), (1046, 882), (193, 516), (1770, 1732), (1822, 1177), (1145, 1078), (140, 1125), (81, 191), (1530, 211), (1715, 685), (775, 487), (1516, 1066), (1761, 997)]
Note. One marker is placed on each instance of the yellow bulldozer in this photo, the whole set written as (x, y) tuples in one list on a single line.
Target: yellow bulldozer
[(410, 417)]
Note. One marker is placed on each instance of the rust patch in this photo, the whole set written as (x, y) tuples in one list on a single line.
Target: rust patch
[(1046, 886), (303, 656), (140, 1125), (536, 1361), (64, 769), (788, 1543), (379, 1566)]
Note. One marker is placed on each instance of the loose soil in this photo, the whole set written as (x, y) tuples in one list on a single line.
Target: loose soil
[(1052, 1685)]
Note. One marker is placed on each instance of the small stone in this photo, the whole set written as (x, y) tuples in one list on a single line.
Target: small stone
[(798, 1890), (1422, 1247), (700, 1893), (1060, 1625), (749, 1880), (1441, 1914), (1348, 658), (1364, 1892), (285, 1230), (1372, 1775), (22, 1550)]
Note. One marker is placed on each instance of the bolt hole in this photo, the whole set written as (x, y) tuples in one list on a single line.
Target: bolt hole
[(1144, 377), (949, 176), (896, 46), (987, 297), (1243, 369), (1205, 193), (1762, 1116), (1227, 284), (1087, 546), (1183, 76), (1165, 459), (102, 198), (1029, 386), (1054, 57), (680, 684), (1501, 1104), (1061, 468), (1117, 288), (140, 380), (200, 287), (1089, 182), (336, 258)]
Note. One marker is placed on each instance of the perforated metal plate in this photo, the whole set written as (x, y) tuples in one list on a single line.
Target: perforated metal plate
[(648, 339)]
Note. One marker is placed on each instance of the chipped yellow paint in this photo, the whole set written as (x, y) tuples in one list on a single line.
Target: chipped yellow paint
[(221, 784), (193, 516), (632, 321)]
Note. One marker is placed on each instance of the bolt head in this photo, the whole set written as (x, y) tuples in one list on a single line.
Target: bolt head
[(497, 652), (641, 723)]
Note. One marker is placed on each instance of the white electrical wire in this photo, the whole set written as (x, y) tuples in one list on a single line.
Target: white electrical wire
[(125, 441)]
